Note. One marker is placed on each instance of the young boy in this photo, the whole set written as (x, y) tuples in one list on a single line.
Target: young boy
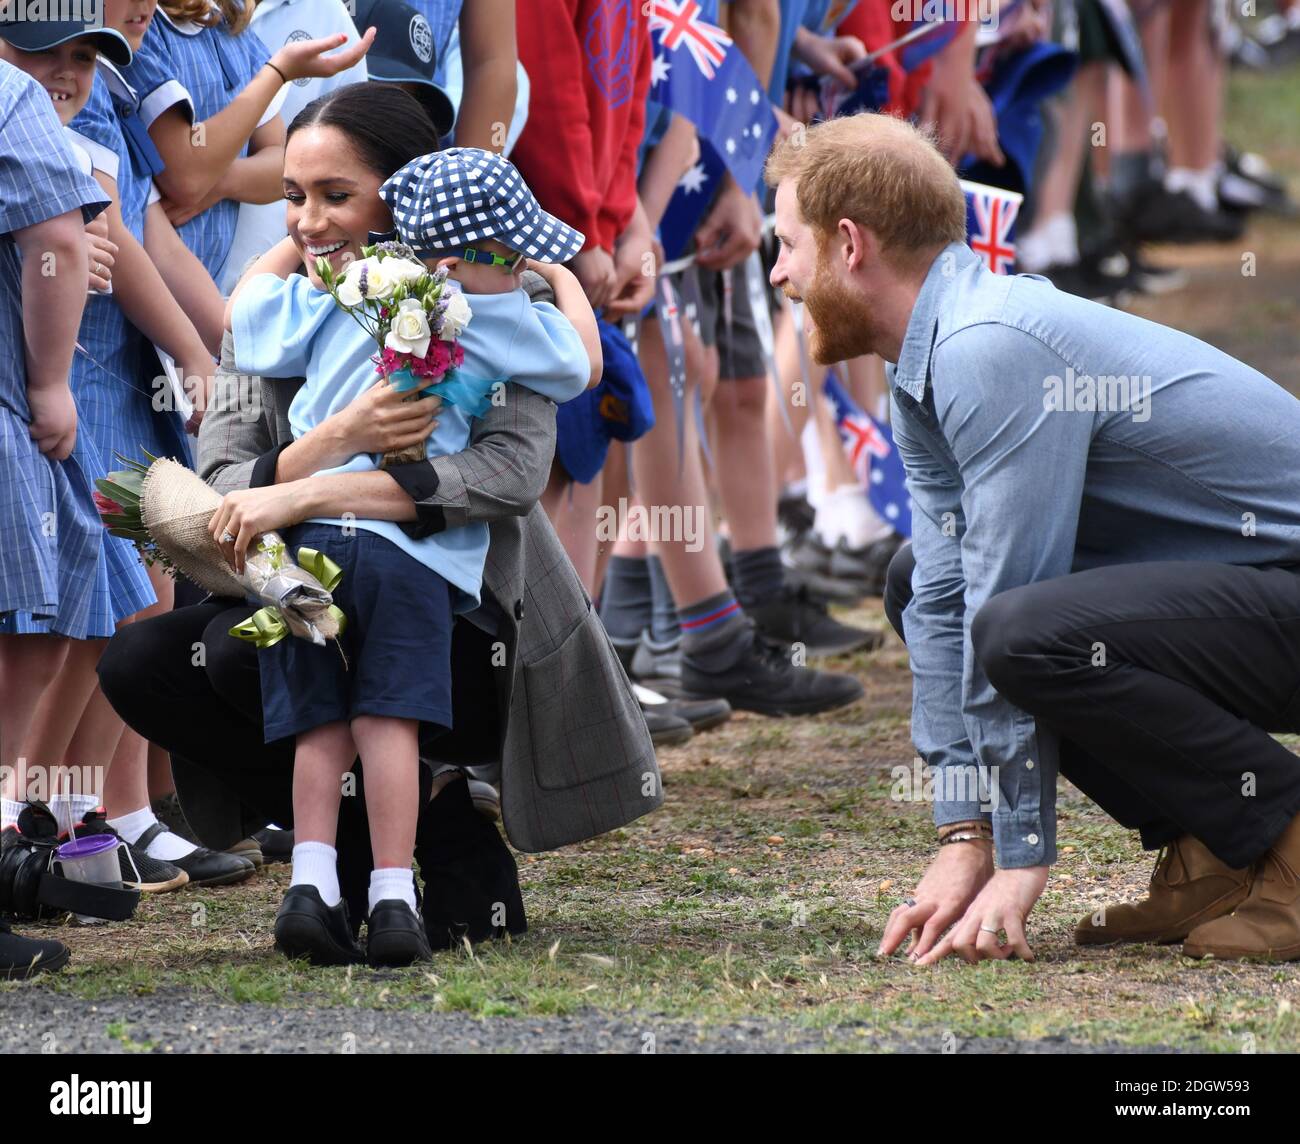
[(470, 211)]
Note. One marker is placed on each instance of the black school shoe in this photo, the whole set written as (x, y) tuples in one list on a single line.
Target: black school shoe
[(395, 935), (765, 680), (205, 867), (471, 883), (22, 957), (306, 927), (793, 617)]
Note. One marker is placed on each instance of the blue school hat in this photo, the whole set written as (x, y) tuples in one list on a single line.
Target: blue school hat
[(619, 408), (404, 52), (42, 35), (451, 199)]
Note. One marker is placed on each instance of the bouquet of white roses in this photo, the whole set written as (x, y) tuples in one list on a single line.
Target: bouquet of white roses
[(413, 313)]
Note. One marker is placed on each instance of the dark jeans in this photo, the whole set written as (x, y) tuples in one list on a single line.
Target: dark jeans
[(182, 681), (1163, 681)]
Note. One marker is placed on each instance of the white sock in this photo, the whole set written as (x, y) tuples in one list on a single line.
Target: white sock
[(846, 514), (1201, 184), (1053, 242), (317, 864), (165, 847), (72, 808), (9, 812), (392, 882)]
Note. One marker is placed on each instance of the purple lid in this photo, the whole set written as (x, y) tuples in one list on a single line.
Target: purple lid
[(87, 847)]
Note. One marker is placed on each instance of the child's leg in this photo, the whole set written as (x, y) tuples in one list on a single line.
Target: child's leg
[(390, 754), (28, 665), (322, 756)]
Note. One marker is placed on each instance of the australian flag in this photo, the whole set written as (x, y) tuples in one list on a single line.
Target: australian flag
[(698, 72), (990, 224), (875, 461)]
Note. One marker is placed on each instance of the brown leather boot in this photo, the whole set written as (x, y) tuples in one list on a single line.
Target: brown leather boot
[(1267, 923), (1188, 886)]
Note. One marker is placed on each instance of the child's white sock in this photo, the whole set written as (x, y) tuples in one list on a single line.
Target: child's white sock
[(72, 808), (165, 847), (317, 864), (9, 812), (392, 882)]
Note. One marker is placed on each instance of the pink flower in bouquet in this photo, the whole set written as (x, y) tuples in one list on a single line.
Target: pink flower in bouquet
[(390, 361)]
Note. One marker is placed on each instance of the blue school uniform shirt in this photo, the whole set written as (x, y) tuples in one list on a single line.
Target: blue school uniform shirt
[(443, 17), (40, 179), (209, 66), (288, 328), (113, 374)]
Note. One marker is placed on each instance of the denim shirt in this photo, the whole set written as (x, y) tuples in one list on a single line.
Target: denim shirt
[(1044, 434)]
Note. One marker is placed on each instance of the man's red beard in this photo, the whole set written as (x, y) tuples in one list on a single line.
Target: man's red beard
[(841, 318)]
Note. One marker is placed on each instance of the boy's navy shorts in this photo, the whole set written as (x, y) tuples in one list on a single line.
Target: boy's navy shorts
[(397, 642)]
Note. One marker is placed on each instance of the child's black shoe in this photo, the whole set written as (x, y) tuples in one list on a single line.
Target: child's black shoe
[(395, 935), (306, 927)]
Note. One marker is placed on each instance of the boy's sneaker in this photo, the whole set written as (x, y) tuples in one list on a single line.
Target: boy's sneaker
[(22, 957), (140, 871), (395, 935), (765, 680), (306, 927)]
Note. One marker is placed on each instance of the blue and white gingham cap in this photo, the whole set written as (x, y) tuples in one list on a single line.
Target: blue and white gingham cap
[(462, 195)]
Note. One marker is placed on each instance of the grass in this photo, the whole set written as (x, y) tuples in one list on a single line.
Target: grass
[(760, 890)]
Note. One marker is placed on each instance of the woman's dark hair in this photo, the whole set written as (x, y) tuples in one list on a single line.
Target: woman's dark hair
[(386, 126)]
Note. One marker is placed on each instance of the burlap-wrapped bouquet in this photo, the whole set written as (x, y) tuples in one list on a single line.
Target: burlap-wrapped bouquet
[(165, 509)]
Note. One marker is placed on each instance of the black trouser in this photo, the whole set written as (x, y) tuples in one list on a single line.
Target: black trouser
[(1163, 681), (182, 681)]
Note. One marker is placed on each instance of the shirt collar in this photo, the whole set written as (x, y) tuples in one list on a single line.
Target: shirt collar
[(185, 27), (115, 81), (913, 368)]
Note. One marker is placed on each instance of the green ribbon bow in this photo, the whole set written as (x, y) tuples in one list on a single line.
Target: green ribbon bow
[(266, 627)]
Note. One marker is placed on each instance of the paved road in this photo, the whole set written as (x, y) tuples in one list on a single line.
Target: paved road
[(179, 1022)]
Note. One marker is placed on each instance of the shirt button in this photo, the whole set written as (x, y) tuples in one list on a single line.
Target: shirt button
[(1032, 840), (1029, 764), (519, 609)]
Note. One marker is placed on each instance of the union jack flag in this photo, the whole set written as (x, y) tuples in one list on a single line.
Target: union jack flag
[(680, 24), (990, 224)]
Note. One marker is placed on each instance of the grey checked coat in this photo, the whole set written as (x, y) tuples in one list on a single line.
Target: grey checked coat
[(576, 759)]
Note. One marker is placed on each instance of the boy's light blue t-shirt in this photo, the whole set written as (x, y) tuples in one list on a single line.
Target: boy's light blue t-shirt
[(288, 328)]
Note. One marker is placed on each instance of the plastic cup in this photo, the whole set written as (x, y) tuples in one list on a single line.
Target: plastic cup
[(93, 860)]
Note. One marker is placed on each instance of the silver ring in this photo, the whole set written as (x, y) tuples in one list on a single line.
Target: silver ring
[(985, 929), (909, 901), (227, 538)]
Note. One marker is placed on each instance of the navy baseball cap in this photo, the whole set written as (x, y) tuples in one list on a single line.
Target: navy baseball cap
[(619, 408), (404, 52), (42, 35), (450, 199)]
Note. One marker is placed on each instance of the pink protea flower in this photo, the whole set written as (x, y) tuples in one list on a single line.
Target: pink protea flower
[(106, 505)]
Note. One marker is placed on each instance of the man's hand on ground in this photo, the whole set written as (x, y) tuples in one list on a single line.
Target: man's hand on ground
[(953, 881), (1003, 904)]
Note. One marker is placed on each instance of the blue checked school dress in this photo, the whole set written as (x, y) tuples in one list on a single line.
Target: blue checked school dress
[(208, 67), (50, 535)]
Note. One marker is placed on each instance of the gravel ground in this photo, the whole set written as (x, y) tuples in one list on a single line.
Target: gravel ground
[(181, 1023)]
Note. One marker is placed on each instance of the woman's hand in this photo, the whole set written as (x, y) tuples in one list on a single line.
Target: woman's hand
[(381, 420), (101, 253), (306, 59), (246, 514)]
